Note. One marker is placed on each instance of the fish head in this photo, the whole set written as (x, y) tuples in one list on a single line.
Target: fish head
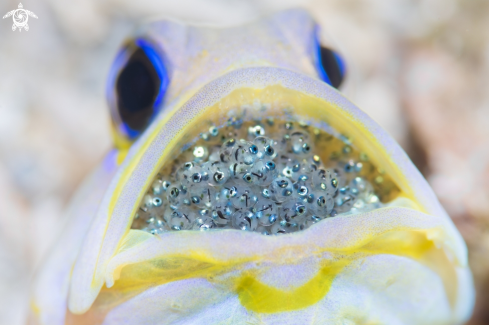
[(139, 251)]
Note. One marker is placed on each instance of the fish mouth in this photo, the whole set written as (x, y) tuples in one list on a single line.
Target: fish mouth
[(222, 146), (130, 257), (269, 167)]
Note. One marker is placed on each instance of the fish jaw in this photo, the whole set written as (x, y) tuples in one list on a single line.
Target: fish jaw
[(417, 233), (381, 260)]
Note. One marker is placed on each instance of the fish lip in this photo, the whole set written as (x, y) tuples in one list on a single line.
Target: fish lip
[(374, 223), (114, 216), (326, 241)]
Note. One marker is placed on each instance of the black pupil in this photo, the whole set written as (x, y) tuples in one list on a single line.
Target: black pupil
[(331, 67), (137, 87)]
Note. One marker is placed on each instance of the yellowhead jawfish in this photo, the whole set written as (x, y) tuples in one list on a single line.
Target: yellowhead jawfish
[(245, 189)]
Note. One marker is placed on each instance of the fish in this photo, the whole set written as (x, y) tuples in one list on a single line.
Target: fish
[(358, 238)]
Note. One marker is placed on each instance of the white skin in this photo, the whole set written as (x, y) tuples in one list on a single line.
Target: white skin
[(381, 286)]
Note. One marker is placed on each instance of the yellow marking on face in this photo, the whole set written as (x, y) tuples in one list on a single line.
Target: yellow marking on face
[(121, 142), (261, 298), (121, 155), (35, 308)]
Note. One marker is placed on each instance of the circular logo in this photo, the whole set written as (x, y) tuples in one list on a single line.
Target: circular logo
[(20, 18)]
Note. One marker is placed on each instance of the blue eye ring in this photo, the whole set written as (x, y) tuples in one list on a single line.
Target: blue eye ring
[(159, 66), (329, 64), (141, 60)]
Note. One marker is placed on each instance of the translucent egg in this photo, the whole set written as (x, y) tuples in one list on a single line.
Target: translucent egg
[(227, 149), (263, 172), (282, 189), (344, 202), (202, 195), (148, 201), (244, 220), (286, 164), (218, 173), (267, 148), (183, 173), (221, 216), (300, 144), (238, 169), (244, 152), (157, 187), (278, 228), (323, 180), (174, 195), (263, 230), (293, 212), (204, 223), (324, 204), (266, 211), (245, 198)]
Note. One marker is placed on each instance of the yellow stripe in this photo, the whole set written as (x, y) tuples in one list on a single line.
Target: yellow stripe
[(261, 298)]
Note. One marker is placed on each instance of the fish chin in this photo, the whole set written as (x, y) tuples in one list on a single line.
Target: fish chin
[(400, 261)]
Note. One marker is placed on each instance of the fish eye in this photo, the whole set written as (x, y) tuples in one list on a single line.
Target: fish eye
[(330, 66), (137, 85)]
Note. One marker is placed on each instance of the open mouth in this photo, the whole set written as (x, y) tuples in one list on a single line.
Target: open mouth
[(265, 175), (261, 167), (217, 171)]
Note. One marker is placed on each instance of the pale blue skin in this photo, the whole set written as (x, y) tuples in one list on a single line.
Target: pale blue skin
[(205, 65)]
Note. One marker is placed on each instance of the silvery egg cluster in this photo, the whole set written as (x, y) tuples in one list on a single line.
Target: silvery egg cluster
[(271, 185)]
